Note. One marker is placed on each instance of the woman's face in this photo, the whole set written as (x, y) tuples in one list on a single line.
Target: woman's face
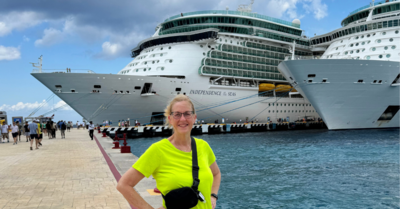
[(185, 123)]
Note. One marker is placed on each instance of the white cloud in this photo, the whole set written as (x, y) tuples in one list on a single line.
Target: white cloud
[(51, 36), (20, 106), (62, 106), (119, 45), (18, 21), (9, 53), (26, 39), (316, 7)]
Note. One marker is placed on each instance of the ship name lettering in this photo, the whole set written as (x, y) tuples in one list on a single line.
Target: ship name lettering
[(212, 93)]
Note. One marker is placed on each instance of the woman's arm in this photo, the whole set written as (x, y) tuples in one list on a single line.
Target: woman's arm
[(216, 182), (125, 186)]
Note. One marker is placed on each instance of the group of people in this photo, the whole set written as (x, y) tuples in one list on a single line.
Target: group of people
[(33, 131)]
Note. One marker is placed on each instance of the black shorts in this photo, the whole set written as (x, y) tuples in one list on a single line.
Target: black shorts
[(34, 136), (40, 136), (15, 134)]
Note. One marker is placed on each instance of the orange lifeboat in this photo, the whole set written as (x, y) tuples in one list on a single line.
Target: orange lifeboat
[(266, 87), (283, 88)]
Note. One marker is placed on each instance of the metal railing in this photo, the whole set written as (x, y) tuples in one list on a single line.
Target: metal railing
[(62, 71), (228, 12), (346, 57), (302, 57), (367, 6)]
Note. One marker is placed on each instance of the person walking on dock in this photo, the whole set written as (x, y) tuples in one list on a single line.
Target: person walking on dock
[(4, 132), (174, 164), (20, 130), (69, 126), (54, 129), (91, 129), (26, 129), (14, 132), (63, 127), (39, 133), (48, 127), (33, 131)]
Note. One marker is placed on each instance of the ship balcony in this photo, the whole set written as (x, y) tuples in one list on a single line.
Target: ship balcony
[(62, 71)]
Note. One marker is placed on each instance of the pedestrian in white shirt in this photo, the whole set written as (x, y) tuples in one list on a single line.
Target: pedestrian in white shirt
[(14, 131), (4, 132), (91, 129)]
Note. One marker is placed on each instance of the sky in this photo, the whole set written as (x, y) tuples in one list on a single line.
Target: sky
[(98, 35)]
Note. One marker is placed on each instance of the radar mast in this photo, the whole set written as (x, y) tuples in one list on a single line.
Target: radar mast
[(245, 8)]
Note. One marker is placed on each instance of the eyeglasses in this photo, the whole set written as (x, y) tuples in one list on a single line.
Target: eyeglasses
[(178, 115)]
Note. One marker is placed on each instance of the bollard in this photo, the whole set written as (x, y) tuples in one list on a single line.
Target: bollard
[(116, 142), (104, 134), (98, 130), (125, 149)]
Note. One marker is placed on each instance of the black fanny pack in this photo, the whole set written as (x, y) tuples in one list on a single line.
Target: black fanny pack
[(186, 197)]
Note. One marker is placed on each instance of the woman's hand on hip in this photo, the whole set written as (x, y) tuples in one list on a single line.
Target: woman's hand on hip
[(213, 202)]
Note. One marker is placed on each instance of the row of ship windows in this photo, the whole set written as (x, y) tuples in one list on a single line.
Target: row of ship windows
[(162, 48), (368, 42), (139, 69), (284, 104), (145, 69), (362, 50), (374, 82), (368, 57), (356, 29), (293, 111)]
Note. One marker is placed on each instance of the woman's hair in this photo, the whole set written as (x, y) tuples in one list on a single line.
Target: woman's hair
[(177, 98)]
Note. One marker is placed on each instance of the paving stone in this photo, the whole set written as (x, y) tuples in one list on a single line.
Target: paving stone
[(57, 174)]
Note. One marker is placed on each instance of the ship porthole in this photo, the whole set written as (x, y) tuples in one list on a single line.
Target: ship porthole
[(380, 56), (386, 48), (391, 40), (388, 55), (393, 47), (396, 32)]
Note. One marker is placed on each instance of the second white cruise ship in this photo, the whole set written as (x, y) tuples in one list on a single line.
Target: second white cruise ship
[(225, 61), (355, 83)]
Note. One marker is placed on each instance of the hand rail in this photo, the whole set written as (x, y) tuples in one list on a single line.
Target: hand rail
[(224, 12), (62, 71)]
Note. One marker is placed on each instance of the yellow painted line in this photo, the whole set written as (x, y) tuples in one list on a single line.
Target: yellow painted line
[(151, 192)]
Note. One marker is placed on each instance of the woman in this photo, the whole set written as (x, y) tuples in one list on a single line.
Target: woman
[(27, 132), (14, 132), (48, 127), (170, 161)]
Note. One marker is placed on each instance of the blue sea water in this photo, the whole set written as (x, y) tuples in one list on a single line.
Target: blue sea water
[(305, 168)]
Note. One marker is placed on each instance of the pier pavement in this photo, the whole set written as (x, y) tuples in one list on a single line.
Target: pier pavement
[(65, 173)]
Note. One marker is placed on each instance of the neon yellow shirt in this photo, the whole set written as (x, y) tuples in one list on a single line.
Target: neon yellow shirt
[(40, 131), (172, 168)]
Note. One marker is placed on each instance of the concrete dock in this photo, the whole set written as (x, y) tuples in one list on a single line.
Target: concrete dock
[(66, 173)]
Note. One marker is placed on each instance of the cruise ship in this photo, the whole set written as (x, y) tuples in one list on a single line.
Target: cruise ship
[(225, 61), (355, 83)]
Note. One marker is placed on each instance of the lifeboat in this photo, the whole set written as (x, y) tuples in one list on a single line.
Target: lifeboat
[(266, 87), (283, 88)]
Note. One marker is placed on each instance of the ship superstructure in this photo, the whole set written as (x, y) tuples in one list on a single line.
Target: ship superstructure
[(355, 83), (225, 61)]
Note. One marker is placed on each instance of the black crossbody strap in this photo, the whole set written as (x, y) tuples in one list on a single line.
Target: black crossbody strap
[(195, 167)]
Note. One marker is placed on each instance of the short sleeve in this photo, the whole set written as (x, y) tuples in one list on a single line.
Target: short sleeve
[(148, 162), (210, 153)]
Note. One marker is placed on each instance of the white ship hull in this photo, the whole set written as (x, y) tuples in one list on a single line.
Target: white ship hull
[(342, 100), (108, 105)]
